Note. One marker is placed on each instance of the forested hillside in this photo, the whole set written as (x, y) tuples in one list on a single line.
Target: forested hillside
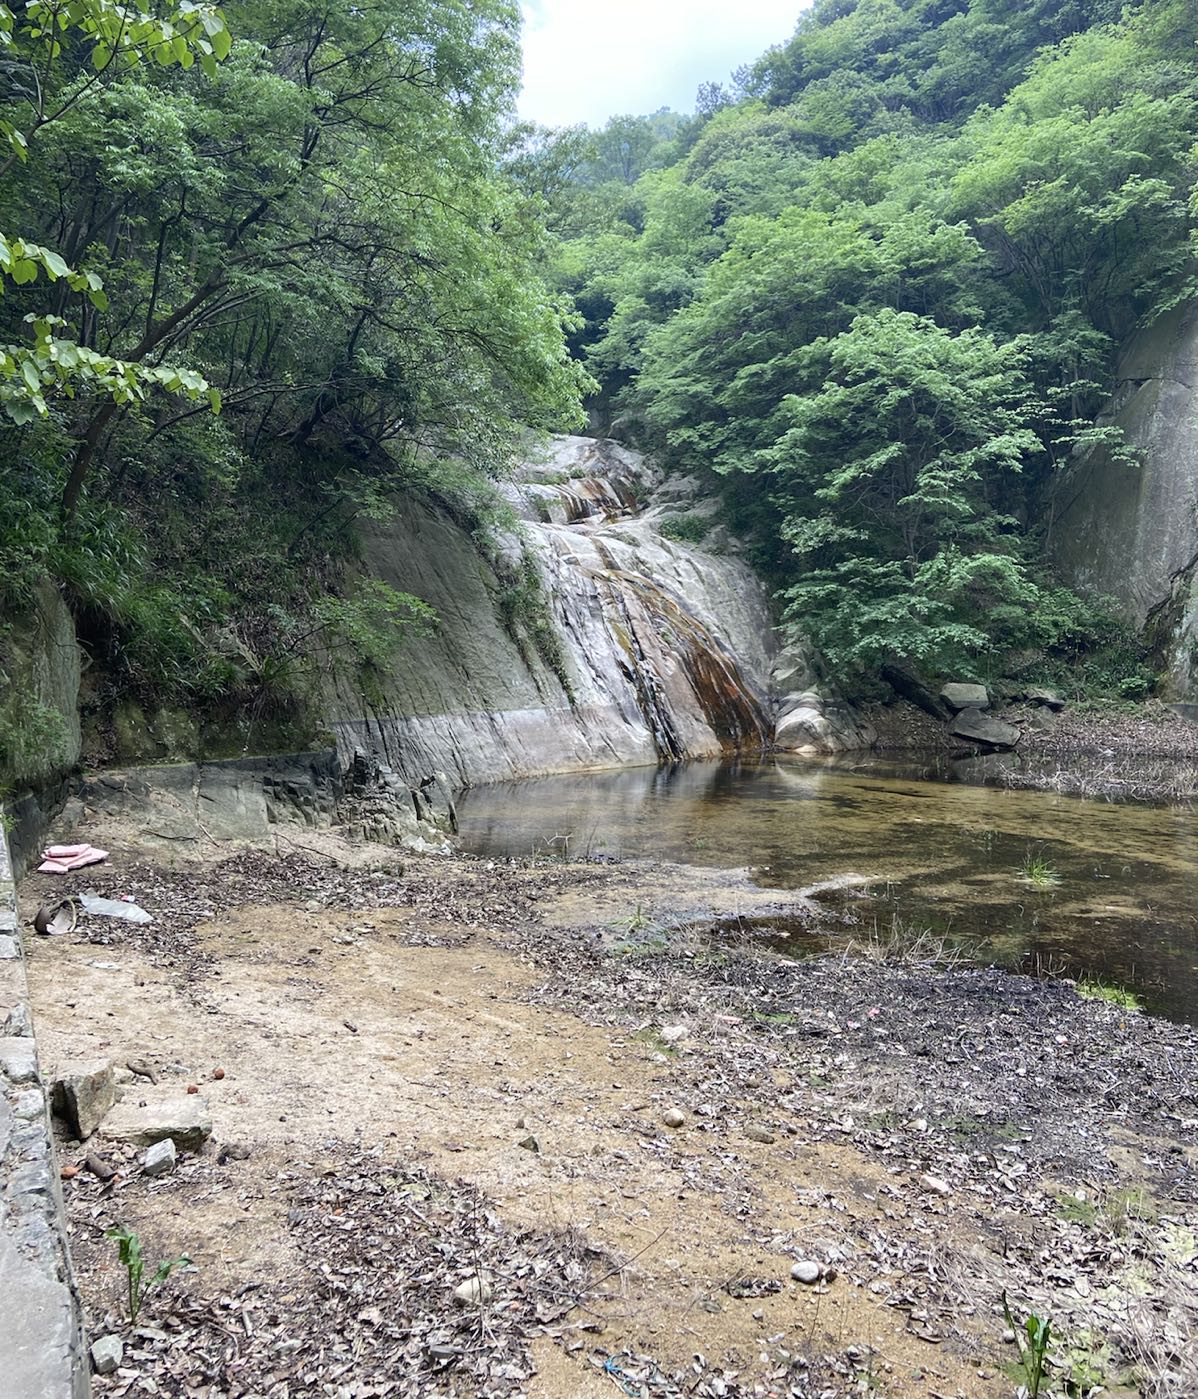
[(879, 290), (260, 271), (271, 270)]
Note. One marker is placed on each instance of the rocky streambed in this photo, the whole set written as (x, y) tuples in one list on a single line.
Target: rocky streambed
[(482, 1126)]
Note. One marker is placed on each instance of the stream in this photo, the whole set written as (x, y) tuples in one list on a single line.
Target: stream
[(1113, 892)]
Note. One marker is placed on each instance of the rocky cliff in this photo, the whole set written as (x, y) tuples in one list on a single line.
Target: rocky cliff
[(588, 635), (1130, 532), (648, 649)]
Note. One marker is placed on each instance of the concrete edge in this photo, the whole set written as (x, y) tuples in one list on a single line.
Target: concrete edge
[(42, 1352)]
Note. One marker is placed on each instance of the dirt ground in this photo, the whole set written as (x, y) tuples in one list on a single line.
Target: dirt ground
[(424, 1073)]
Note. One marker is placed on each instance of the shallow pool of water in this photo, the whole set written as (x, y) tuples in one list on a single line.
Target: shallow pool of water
[(1118, 898)]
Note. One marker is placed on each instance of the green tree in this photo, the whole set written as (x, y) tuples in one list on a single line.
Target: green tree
[(891, 476), (323, 231), (41, 54)]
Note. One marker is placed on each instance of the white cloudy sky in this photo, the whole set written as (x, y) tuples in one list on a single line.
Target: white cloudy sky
[(587, 60)]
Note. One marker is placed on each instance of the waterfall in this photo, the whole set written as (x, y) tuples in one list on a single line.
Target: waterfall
[(660, 650)]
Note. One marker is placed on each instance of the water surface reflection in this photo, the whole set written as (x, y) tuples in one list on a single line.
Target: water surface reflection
[(943, 855)]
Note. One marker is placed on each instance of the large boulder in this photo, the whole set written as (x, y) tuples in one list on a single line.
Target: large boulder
[(984, 729), (959, 695), (810, 715), (909, 686), (1046, 699)]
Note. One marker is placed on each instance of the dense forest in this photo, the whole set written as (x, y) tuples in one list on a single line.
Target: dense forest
[(260, 278), (269, 271), (879, 289)]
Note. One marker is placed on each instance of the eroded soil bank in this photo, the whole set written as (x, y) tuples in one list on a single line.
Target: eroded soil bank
[(447, 1072)]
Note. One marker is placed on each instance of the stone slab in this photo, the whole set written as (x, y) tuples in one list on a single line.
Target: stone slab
[(958, 696), (152, 1117), (976, 727), (83, 1093)]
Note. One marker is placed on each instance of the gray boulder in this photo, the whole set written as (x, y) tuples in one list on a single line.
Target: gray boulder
[(181, 1117), (83, 1094), (984, 729), (959, 695), (1047, 699)]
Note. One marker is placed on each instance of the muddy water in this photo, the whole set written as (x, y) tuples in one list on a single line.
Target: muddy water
[(952, 858)]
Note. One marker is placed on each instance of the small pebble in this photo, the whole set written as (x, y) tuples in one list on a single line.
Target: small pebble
[(673, 1117), (757, 1133), (107, 1354), (806, 1270), (69, 1172), (160, 1159), (193, 1087), (530, 1143), (474, 1292), (218, 1073), (934, 1185)]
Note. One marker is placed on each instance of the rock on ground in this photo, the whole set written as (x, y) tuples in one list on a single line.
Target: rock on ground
[(976, 727), (83, 1094), (107, 1354), (958, 696), (160, 1159), (184, 1118)]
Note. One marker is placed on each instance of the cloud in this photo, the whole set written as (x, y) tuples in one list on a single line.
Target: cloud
[(587, 60)]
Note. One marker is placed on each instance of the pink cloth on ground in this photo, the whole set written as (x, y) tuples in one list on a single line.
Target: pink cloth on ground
[(61, 859)]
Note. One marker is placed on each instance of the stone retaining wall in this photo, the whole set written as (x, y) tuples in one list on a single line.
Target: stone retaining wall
[(42, 1354)]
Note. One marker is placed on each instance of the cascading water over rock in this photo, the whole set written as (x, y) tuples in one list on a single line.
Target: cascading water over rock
[(651, 650)]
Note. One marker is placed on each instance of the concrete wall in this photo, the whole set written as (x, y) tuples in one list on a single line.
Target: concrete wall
[(41, 1344)]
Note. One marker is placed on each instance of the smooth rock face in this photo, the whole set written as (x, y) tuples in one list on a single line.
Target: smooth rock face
[(1126, 530), (959, 696), (976, 727), (181, 1117), (654, 650), (82, 1095), (810, 714), (1123, 529)]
